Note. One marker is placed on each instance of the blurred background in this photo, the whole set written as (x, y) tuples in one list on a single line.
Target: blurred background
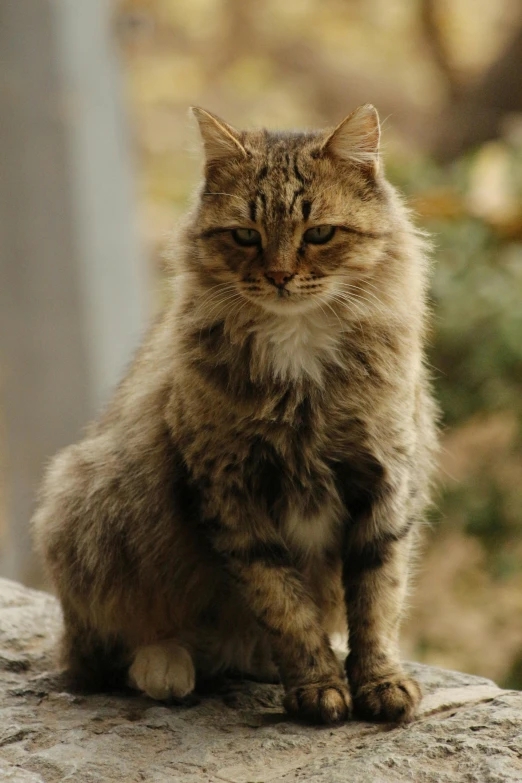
[(97, 164)]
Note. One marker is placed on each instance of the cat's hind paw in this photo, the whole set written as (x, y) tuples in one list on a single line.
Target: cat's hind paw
[(392, 699), (163, 671), (326, 702)]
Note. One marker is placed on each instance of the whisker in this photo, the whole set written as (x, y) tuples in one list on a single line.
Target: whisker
[(208, 305), (329, 306), (223, 301), (205, 312), (348, 304), (242, 306), (227, 300), (356, 293), (214, 289), (360, 300), (366, 283)]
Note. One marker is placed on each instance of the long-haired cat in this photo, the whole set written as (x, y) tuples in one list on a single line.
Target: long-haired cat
[(256, 484)]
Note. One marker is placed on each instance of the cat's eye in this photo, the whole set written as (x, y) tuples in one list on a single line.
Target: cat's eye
[(319, 235), (246, 237)]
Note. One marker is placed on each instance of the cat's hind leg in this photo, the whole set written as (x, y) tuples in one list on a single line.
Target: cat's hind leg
[(93, 661), (163, 671)]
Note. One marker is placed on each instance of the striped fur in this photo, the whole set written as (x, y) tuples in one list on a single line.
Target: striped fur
[(261, 472)]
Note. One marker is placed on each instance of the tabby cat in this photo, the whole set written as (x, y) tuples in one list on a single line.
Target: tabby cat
[(257, 482)]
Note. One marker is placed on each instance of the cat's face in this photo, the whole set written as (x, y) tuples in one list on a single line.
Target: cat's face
[(291, 221)]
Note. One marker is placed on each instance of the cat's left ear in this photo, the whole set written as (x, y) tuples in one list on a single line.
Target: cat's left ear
[(220, 139), (356, 139)]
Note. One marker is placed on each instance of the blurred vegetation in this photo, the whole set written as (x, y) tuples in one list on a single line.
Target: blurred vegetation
[(468, 604), (439, 69)]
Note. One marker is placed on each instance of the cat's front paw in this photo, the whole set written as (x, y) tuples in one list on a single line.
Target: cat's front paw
[(391, 699), (324, 702), (163, 671)]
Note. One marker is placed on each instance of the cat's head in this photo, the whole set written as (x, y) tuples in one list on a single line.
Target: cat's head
[(291, 220)]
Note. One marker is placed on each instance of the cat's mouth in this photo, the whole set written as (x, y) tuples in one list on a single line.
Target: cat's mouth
[(284, 299)]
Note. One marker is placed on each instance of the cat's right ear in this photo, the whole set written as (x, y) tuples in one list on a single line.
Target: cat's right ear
[(220, 140), (356, 139)]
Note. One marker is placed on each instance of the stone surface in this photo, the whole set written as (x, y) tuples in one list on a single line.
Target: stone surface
[(468, 730)]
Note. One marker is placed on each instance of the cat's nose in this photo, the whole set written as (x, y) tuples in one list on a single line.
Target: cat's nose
[(279, 279)]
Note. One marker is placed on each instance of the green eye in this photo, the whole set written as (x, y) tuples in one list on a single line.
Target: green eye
[(246, 237), (319, 235)]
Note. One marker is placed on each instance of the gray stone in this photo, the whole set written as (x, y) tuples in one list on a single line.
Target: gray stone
[(468, 729)]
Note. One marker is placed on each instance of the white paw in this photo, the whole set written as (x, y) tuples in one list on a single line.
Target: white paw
[(163, 671)]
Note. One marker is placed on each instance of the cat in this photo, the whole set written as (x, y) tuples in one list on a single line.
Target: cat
[(257, 482)]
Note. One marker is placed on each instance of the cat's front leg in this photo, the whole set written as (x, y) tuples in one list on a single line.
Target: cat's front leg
[(375, 582), (261, 565)]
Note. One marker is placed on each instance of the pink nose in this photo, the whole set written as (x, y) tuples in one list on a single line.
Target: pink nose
[(278, 278)]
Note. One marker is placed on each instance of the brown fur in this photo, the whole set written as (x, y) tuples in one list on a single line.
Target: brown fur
[(265, 462)]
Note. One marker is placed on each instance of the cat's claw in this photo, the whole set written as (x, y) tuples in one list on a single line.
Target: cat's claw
[(392, 699), (326, 702)]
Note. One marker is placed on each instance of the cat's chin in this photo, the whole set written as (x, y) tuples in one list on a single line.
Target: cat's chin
[(289, 305)]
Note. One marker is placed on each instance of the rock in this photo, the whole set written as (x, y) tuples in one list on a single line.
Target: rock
[(468, 729)]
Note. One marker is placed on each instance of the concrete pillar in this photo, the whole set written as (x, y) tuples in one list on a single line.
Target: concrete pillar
[(73, 289)]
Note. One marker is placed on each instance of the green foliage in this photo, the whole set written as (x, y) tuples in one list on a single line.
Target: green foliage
[(478, 321), (513, 678), (477, 296), (489, 512), (476, 350)]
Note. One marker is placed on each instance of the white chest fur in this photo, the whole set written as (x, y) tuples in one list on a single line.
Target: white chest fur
[(298, 344), (313, 534)]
